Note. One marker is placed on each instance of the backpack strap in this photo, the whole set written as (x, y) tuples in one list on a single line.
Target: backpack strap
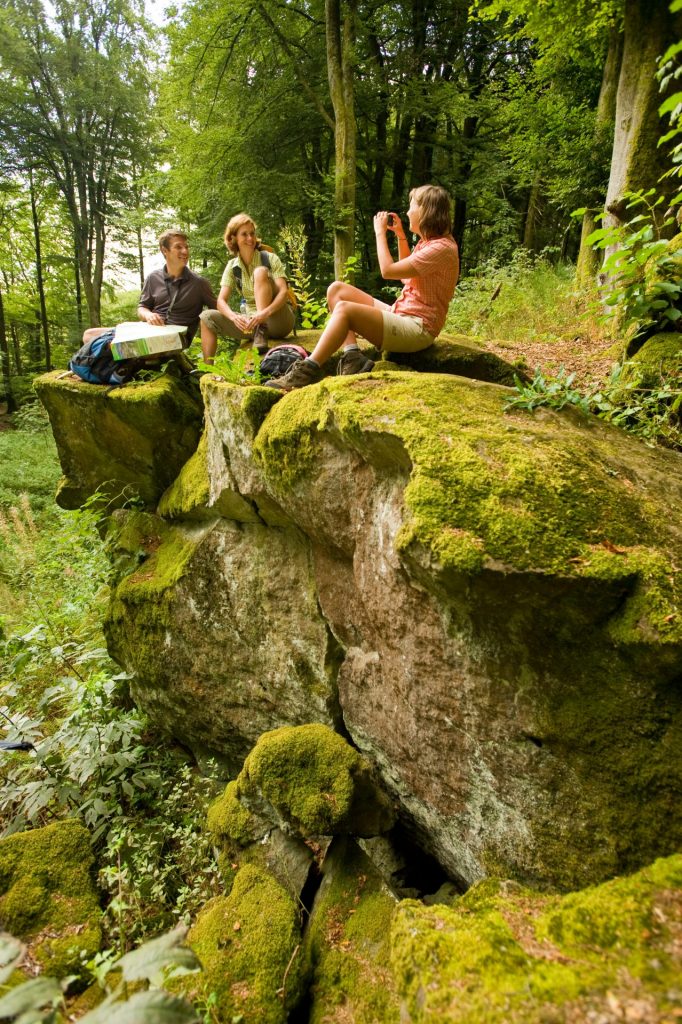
[(237, 270)]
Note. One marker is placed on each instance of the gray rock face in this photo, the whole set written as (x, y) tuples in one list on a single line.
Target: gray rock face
[(222, 629), (491, 602)]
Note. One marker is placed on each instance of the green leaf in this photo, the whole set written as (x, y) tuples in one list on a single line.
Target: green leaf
[(30, 996), (153, 957), (670, 104), (11, 953), (155, 1007)]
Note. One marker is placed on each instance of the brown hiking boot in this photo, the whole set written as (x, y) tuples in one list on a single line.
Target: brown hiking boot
[(299, 376), (354, 361), (261, 340)]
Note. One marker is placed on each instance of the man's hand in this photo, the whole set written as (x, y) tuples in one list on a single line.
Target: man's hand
[(150, 316)]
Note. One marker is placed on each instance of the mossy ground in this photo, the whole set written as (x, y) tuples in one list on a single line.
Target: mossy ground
[(502, 954), (249, 944), (315, 781), (47, 895), (543, 493)]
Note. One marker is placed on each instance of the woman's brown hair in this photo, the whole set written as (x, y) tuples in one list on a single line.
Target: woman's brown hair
[(434, 206), (234, 224)]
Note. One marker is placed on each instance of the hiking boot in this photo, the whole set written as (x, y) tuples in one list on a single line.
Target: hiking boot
[(299, 376), (260, 340), (354, 361)]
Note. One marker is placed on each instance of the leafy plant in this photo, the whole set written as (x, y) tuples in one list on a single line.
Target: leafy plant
[(312, 312), (42, 998), (651, 413), (555, 393), (236, 366), (642, 270)]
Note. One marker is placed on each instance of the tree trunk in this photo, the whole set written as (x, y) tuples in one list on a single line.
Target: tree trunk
[(16, 349), (4, 362), (532, 214), (588, 258), (340, 44), (39, 271), (79, 297), (637, 161)]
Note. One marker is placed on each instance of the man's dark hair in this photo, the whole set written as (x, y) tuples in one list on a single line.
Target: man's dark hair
[(168, 235)]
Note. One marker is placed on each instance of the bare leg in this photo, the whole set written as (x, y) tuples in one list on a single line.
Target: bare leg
[(347, 318), (262, 288), (209, 343), (340, 291)]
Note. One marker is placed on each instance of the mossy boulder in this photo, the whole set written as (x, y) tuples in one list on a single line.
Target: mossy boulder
[(457, 355), (309, 781), (503, 954), (47, 895), (242, 837), (221, 478), (506, 587), (249, 945), (129, 443), (658, 360), (220, 623), (348, 942)]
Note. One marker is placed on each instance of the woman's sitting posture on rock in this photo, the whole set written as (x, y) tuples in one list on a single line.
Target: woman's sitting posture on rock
[(413, 322), (259, 277)]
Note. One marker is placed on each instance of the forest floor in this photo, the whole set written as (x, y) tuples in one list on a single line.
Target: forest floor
[(589, 357)]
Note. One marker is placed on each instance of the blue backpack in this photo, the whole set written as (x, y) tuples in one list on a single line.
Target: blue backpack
[(94, 363)]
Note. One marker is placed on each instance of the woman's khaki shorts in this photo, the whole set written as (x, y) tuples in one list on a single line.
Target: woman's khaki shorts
[(279, 325), (404, 333)]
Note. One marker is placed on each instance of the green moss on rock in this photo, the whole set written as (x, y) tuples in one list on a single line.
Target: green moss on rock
[(541, 493), (47, 897), (658, 360), (188, 495), (505, 955), (249, 945), (127, 443), (310, 780), (228, 819), (348, 943)]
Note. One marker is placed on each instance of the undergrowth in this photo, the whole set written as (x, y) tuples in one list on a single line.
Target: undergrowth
[(651, 413), (528, 300), (93, 754)]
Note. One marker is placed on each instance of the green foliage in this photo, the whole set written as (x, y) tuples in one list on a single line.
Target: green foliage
[(652, 413), (312, 312), (556, 393), (41, 999), (29, 467), (526, 300), (237, 366), (643, 268), (94, 755)]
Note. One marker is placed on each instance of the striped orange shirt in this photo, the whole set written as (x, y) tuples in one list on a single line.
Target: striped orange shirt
[(428, 293)]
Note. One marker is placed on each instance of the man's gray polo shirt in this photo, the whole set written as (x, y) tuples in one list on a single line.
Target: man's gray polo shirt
[(188, 295)]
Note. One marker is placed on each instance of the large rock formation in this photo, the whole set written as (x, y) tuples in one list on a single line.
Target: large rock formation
[(486, 602)]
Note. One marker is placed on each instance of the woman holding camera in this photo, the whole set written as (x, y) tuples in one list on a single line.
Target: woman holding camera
[(429, 273)]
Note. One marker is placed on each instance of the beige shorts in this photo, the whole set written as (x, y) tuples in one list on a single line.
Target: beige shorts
[(279, 325), (404, 333)]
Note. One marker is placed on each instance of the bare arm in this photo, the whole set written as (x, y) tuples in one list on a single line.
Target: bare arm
[(392, 270), (223, 296), (143, 313)]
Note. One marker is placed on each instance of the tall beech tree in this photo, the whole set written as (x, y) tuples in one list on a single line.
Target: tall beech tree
[(74, 95)]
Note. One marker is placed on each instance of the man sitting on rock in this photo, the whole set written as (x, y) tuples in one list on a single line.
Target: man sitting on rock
[(175, 294)]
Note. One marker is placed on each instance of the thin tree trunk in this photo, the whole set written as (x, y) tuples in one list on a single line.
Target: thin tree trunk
[(39, 271), (16, 348), (79, 296), (5, 373), (532, 213), (340, 44)]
